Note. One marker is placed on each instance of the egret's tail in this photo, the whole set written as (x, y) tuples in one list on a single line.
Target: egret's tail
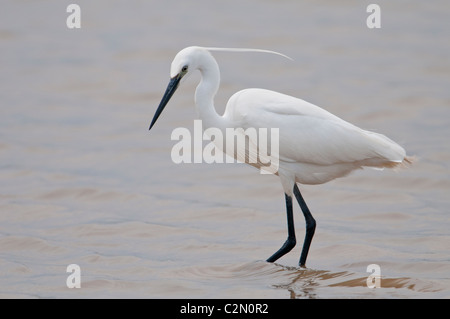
[(388, 153), (407, 161)]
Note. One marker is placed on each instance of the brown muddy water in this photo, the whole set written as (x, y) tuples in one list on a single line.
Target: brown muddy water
[(84, 182)]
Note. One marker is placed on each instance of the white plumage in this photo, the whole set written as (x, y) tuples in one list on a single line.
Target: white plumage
[(315, 145)]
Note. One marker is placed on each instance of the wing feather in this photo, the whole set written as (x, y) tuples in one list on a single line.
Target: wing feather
[(308, 133)]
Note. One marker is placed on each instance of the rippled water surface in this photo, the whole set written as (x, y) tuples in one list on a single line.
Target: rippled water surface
[(84, 182)]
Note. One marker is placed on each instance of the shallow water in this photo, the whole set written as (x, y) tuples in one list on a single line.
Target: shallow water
[(84, 182)]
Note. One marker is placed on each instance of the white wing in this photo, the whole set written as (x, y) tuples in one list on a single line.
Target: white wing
[(309, 134)]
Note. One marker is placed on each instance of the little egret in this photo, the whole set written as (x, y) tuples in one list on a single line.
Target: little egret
[(315, 146)]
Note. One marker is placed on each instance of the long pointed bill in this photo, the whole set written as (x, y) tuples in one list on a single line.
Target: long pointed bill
[(171, 88)]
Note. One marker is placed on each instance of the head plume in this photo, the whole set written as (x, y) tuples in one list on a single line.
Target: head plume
[(246, 50)]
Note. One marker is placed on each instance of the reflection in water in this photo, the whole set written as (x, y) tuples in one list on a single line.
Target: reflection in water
[(304, 282)]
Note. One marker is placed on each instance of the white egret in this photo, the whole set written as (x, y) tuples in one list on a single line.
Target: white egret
[(315, 146)]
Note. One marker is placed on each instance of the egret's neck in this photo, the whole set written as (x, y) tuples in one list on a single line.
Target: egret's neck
[(205, 92)]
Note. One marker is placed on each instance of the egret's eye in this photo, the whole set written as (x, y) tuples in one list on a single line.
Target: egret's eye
[(184, 69)]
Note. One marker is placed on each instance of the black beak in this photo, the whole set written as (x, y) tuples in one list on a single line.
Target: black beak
[(171, 88)]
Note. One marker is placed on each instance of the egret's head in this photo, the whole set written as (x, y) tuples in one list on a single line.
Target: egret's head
[(186, 61)]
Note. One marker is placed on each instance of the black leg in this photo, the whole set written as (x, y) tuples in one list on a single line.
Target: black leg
[(290, 242), (310, 226)]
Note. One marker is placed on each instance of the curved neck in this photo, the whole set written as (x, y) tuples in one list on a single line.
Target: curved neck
[(205, 92)]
